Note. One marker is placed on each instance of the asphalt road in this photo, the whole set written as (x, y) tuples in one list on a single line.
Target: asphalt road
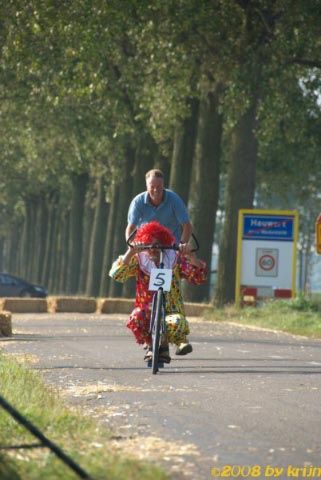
[(244, 398)]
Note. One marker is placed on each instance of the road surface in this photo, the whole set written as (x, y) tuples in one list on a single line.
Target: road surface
[(245, 397)]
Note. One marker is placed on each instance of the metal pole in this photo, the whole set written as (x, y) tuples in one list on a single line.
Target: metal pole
[(44, 440)]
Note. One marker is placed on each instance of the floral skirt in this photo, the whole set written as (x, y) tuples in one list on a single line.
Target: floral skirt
[(176, 324), (138, 323)]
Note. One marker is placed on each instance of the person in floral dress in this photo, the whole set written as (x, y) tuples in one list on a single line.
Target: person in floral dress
[(138, 263)]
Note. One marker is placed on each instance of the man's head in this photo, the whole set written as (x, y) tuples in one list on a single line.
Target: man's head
[(155, 185)]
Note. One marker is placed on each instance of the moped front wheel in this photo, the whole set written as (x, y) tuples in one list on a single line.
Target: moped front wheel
[(156, 330)]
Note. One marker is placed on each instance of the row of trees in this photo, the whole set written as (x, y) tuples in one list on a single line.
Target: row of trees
[(220, 94)]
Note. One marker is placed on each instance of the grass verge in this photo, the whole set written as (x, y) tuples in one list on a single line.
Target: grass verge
[(299, 316), (80, 437)]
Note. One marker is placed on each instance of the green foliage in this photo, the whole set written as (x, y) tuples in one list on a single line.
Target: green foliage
[(94, 74), (305, 303), (300, 315), (81, 82)]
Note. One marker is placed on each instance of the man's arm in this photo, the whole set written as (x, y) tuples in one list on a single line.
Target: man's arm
[(182, 217), (186, 232), (129, 230), (134, 213)]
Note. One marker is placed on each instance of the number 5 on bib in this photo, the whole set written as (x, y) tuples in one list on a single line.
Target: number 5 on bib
[(160, 278)]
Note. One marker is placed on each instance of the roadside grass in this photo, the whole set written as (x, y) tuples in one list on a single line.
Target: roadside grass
[(299, 316), (80, 437)]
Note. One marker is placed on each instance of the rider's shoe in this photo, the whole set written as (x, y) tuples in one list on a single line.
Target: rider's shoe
[(184, 349), (163, 355), (148, 355)]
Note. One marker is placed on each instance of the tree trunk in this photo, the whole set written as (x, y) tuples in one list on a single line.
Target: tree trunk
[(125, 196), (80, 183), (42, 233), (53, 265), (58, 255), (48, 257), (97, 241), (144, 161), (26, 249), (162, 162), (183, 153), (64, 245), (108, 248), (89, 212), (60, 260), (12, 254), (2, 246), (205, 185), (22, 250), (239, 194), (30, 248)]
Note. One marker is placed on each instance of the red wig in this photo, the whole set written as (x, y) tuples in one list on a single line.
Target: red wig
[(154, 232)]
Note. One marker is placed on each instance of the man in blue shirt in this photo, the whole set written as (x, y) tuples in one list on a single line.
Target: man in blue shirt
[(166, 207), (160, 204)]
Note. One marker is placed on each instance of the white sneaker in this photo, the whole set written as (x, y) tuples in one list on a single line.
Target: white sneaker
[(184, 349)]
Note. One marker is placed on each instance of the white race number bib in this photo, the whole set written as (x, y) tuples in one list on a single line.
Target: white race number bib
[(160, 277)]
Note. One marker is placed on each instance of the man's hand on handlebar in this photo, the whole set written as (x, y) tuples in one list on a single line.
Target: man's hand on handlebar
[(191, 256), (184, 248)]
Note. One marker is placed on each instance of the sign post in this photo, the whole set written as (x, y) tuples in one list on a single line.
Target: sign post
[(318, 234), (266, 254)]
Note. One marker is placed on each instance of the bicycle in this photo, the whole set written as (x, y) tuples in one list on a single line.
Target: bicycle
[(160, 282)]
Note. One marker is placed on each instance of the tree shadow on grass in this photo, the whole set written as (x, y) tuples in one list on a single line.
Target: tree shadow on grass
[(7, 470)]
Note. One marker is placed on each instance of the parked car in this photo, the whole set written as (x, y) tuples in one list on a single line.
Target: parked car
[(11, 286)]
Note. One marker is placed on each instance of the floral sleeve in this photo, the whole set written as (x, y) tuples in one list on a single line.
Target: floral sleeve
[(121, 272), (191, 273)]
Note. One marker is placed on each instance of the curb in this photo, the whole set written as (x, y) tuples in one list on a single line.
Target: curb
[(83, 305), (73, 305), (25, 305)]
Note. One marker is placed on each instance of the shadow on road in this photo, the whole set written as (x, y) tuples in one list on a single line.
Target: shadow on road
[(276, 370), (29, 337)]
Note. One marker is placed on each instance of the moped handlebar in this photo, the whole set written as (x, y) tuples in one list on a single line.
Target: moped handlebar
[(157, 246)]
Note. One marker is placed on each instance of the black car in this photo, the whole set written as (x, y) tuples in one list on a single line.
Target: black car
[(11, 286)]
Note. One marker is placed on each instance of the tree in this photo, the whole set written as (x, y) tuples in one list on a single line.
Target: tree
[(273, 38), (205, 182)]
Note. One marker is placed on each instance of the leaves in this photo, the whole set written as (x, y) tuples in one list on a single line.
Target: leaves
[(82, 81)]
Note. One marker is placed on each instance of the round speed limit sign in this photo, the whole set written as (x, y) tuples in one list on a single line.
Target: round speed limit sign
[(266, 262)]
